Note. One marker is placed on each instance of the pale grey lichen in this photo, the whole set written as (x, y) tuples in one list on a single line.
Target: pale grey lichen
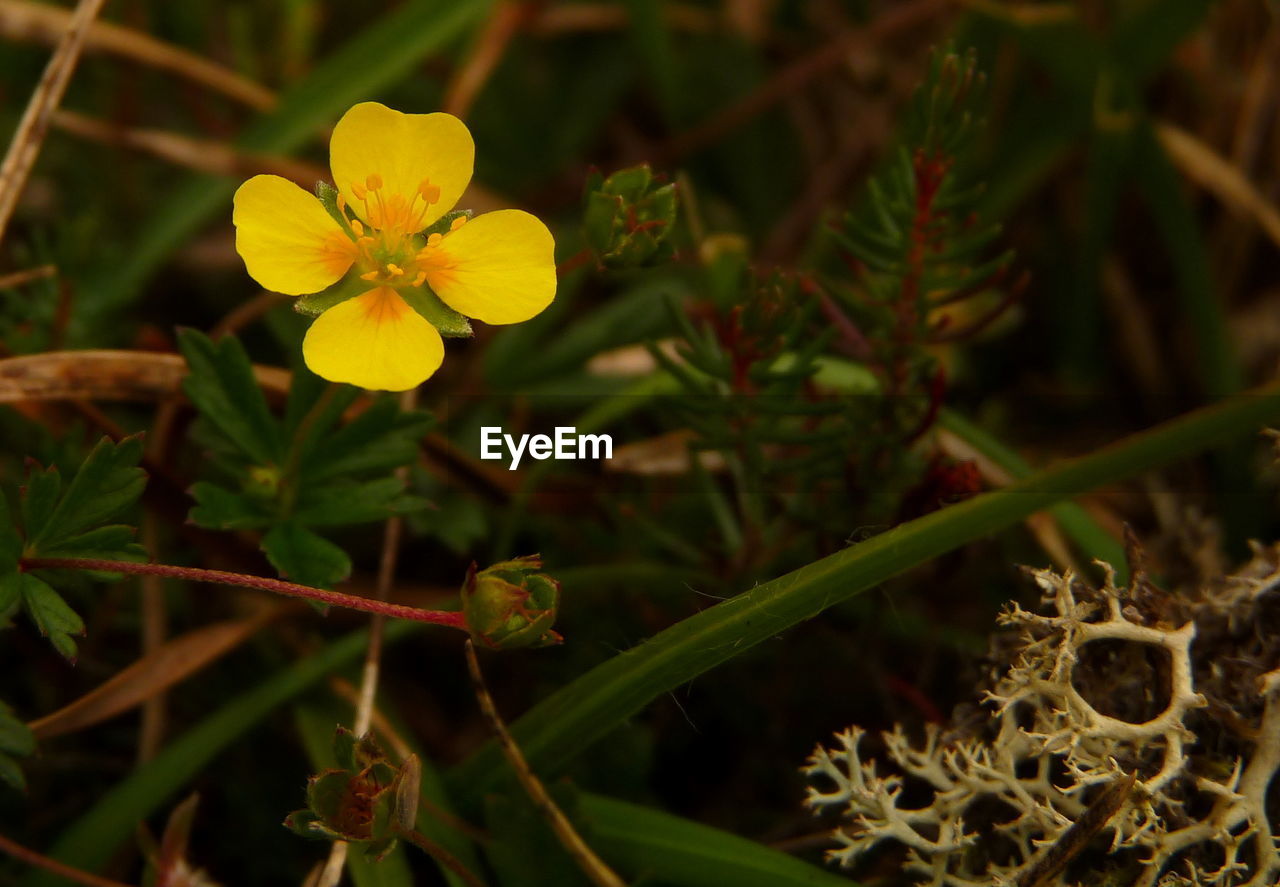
[(1197, 727)]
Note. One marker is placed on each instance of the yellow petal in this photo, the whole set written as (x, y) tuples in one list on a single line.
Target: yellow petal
[(289, 243), (403, 152), (499, 267), (375, 341)]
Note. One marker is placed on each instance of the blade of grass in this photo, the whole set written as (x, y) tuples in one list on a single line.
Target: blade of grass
[(89, 842), (377, 57), (676, 851), (600, 700)]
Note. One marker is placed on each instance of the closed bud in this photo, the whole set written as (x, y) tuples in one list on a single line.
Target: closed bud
[(511, 604), (628, 216)]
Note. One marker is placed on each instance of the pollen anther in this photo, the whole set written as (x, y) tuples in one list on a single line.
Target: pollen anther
[(373, 181)]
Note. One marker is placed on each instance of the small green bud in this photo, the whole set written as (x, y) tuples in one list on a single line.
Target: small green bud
[(263, 481), (511, 604), (628, 216)]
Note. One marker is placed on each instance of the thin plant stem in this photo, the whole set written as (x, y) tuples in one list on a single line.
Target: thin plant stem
[(31, 857), (440, 855), (25, 147), (592, 865), (262, 583), (370, 673)]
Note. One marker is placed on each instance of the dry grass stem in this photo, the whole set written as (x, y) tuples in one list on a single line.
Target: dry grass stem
[(45, 23), (591, 864), (27, 139)]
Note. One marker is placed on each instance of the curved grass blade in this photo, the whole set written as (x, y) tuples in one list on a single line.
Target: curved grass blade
[(600, 700), (673, 850)]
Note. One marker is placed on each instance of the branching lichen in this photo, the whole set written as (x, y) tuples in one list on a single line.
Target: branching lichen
[(1181, 691)]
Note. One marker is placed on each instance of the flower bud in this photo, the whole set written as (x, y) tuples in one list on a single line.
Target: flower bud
[(628, 216), (511, 604), (360, 803)]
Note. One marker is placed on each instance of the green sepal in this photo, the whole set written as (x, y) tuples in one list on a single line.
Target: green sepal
[(445, 222), (450, 323), (328, 196), (315, 304)]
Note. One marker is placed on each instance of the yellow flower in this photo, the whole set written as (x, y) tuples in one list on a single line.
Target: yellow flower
[(398, 174)]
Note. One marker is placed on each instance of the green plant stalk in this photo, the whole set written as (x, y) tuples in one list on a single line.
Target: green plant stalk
[(92, 839), (602, 699)]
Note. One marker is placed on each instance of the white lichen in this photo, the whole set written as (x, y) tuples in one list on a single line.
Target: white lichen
[(994, 806)]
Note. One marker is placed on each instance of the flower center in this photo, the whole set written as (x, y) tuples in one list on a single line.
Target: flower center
[(390, 252)]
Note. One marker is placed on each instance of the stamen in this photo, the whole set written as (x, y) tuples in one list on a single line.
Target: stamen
[(434, 239), (358, 190), (457, 223), (342, 203), (394, 270), (373, 181), (417, 281), (357, 227), (430, 193), (369, 275)]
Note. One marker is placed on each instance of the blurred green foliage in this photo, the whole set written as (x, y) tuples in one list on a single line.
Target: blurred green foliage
[(785, 233)]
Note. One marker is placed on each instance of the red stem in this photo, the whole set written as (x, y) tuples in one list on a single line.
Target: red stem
[(222, 577)]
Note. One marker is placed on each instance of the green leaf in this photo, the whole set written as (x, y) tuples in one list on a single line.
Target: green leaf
[(301, 556), (379, 439), (56, 621), (218, 508), (15, 738), (640, 841), (597, 702), (38, 498), (340, 504), (11, 773), (224, 389), (10, 595), (107, 483)]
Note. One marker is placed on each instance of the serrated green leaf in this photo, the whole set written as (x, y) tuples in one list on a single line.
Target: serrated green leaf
[(11, 773), (10, 595), (15, 738), (39, 497), (379, 439), (10, 538), (217, 508), (301, 556), (108, 482), (224, 389), (51, 614), (340, 504)]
